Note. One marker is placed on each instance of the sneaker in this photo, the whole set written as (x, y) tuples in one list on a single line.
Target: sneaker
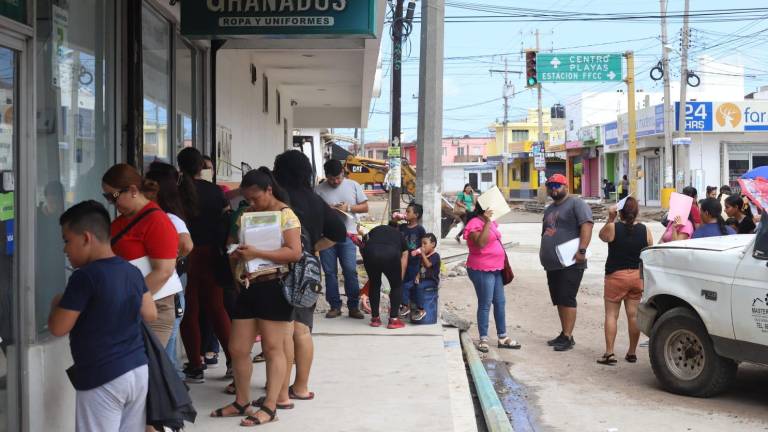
[(395, 323), (356, 314), (375, 322), (565, 345), (333, 313), (202, 360), (419, 315), (558, 340), (194, 376), (404, 310), (211, 361)]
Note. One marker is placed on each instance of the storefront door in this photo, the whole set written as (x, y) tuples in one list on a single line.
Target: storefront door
[(652, 181), (9, 293)]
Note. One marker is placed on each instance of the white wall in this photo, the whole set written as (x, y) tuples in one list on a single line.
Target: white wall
[(453, 178), (706, 151), (256, 136)]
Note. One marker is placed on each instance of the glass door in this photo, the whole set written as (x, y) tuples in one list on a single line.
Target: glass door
[(652, 180), (9, 331)]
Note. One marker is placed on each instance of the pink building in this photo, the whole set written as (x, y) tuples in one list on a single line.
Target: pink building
[(466, 149)]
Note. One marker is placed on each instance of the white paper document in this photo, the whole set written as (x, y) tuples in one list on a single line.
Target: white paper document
[(620, 205), (493, 199), (172, 286), (567, 251), (262, 231)]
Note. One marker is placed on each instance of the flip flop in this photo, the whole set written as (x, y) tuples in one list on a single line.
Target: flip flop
[(292, 394), (508, 343), (255, 421), (260, 401), (632, 358), (607, 359), (241, 411)]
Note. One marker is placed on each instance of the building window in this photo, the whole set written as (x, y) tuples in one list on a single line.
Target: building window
[(519, 135), (477, 151), (486, 177), (185, 84), (75, 145), (525, 172), (156, 52), (460, 151), (265, 91)]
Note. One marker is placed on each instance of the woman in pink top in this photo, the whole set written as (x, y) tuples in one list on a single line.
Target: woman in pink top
[(678, 230), (484, 266)]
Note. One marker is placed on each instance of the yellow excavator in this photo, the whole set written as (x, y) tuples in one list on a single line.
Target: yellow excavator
[(374, 172)]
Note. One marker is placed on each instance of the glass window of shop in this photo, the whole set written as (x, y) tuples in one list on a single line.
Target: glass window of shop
[(739, 163), (185, 94), (75, 110), (9, 366), (156, 54)]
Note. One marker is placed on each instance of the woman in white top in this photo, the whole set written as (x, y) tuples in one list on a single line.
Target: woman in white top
[(169, 200)]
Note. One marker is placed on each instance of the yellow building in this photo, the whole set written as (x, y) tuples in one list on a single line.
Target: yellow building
[(521, 135)]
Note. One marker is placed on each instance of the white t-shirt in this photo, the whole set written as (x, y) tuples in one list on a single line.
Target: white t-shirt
[(178, 223), (350, 192)]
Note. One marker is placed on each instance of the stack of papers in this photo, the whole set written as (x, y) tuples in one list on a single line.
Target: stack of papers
[(493, 199), (567, 251), (262, 231), (679, 205)]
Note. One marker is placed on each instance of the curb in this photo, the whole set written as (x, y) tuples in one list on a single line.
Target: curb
[(495, 416)]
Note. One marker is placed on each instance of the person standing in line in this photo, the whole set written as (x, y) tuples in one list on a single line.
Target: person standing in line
[(695, 212), (712, 192), (626, 239), (624, 187), (465, 202), (725, 192), (167, 197), (737, 208), (566, 219), (713, 223), (144, 235), (348, 197), (207, 226), (101, 309), (485, 264), (294, 173)]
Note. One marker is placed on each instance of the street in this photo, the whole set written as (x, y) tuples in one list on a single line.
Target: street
[(570, 391)]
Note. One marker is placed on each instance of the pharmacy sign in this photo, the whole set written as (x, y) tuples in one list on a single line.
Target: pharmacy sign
[(227, 19), (579, 67)]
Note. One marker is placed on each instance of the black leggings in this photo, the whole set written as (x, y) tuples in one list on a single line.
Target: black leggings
[(380, 260)]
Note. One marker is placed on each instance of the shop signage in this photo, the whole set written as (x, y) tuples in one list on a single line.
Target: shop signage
[(682, 141), (6, 206), (539, 157), (612, 134), (209, 19), (650, 121), (14, 9), (739, 116), (574, 145), (588, 134), (575, 67)]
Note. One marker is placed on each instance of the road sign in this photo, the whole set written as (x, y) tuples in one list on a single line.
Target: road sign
[(575, 67), (682, 141)]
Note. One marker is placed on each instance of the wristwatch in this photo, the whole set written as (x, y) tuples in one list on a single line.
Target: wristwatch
[(583, 251)]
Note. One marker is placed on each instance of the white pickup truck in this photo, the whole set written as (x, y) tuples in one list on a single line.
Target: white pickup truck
[(705, 309)]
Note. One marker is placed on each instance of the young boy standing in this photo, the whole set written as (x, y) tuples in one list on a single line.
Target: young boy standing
[(413, 232), (428, 277), (102, 308)]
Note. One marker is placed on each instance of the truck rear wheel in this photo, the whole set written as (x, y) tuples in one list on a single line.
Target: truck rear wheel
[(683, 356)]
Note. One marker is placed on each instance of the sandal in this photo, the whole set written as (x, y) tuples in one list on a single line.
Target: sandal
[(259, 358), (292, 394), (241, 410), (632, 358), (255, 421), (508, 343), (230, 388), (483, 346), (607, 359), (260, 401)]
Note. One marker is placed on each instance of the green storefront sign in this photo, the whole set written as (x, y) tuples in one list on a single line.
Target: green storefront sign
[(14, 9), (225, 19)]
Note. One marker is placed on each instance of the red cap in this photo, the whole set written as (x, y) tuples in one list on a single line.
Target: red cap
[(558, 178)]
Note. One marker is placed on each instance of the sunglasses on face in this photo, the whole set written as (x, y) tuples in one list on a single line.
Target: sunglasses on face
[(113, 196), (554, 186)]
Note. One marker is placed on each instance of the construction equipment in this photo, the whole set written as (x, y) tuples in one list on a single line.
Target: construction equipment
[(372, 172)]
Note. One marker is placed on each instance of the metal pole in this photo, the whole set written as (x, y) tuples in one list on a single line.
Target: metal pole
[(397, 83), (632, 120), (504, 126), (430, 129), (669, 108), (682, 150), (540, 138)]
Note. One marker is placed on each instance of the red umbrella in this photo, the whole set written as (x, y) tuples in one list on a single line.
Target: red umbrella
[(756, 190)]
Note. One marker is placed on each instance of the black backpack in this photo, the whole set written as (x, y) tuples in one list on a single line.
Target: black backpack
[(302, 284)]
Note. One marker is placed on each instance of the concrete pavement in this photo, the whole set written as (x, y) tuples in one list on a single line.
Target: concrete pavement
[(365, 379)]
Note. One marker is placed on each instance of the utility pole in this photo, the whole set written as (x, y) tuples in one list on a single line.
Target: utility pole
[(505, 159), (542, 177), (397, 90), (682, 150), (632, 120), (430, 129), (669, 107)]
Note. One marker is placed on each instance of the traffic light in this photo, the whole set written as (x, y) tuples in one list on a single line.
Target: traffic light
[(530, 69)]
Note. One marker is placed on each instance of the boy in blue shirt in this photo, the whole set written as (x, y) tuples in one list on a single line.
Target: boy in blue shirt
[(428, 277), (413, 232), (101, 309)]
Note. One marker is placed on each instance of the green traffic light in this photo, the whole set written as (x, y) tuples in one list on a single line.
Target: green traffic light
[(531, 81)]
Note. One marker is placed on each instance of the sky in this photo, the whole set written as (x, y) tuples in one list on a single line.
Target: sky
[(469, 82)]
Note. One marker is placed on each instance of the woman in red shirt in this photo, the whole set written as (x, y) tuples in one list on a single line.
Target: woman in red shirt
[(144, 235)]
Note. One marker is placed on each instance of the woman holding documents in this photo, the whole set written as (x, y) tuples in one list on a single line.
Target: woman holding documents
[(261, 302), (485, 264), (626, 239), (144, 235)]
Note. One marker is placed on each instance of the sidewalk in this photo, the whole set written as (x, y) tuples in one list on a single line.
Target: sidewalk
[(366, 379)]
